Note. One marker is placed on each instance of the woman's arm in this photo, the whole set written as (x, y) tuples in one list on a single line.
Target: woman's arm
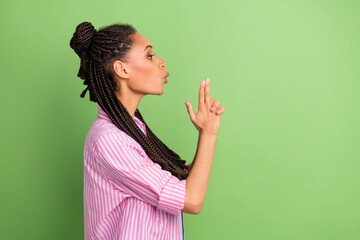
[(197, 149), (198, 179), (130, 172), (207, 122)]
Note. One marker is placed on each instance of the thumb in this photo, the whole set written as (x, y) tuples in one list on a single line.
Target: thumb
[(190, 110)]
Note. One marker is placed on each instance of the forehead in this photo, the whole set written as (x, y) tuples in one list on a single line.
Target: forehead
[(140, 41)]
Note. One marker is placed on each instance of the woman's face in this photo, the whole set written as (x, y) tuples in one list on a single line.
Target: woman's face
[(144, 73)]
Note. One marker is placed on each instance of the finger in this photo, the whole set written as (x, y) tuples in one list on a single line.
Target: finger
[(215, 106), (207, 92), (201, 93), (190, 110), (221, 111), (212, 102), (218, 108)]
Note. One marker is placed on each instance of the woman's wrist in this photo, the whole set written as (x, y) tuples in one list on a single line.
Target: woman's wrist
[(208, 133)]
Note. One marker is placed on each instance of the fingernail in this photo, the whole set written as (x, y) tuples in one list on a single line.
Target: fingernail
[(208, 80), (202, 82), (212, 109)]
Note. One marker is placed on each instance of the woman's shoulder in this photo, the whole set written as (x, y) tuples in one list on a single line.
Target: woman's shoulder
[(100, 128), (107, 130)]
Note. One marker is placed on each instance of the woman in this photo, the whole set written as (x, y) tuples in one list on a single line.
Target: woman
[(135, 187)]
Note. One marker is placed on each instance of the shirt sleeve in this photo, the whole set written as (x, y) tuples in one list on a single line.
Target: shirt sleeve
[(125, 166)]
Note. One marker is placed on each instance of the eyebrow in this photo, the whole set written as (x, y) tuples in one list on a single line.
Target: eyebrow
[(148, 46)]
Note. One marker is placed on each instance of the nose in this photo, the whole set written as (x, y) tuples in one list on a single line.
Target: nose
[(163, 63)]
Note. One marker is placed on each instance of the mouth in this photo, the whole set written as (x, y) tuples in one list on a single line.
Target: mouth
[(167, 75)]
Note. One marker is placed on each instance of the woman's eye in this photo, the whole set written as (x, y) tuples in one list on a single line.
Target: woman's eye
[(151, 55)]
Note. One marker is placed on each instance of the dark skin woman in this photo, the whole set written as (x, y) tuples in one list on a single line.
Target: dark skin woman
[(119, 66)]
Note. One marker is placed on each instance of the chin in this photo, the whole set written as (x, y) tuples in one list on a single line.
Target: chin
[(161, 92)]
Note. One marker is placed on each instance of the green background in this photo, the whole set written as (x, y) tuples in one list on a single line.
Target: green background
[(286, 162)]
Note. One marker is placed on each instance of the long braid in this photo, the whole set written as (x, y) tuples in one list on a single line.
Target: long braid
[(98, 50), (132, 131)]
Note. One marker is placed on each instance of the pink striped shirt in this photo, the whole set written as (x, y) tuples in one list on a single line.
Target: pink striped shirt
[(126, 194)]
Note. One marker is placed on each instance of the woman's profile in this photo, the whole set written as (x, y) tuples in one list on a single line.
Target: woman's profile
[(135, 187)]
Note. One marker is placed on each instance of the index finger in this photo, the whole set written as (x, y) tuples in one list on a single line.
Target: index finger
[(201, 93), (207, 92)]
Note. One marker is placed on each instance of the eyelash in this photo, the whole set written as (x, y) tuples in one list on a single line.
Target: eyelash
[(151, 56)]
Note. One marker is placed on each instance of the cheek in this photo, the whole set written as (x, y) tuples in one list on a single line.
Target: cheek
[(143, 69), (143, 75)]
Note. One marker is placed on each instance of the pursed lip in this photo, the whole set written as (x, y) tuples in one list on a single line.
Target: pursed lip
[(167, 74)]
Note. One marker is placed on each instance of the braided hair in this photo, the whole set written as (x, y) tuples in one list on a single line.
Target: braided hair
[(97, 51)]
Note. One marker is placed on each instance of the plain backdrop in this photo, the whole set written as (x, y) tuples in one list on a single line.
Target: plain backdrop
[(286, 164)]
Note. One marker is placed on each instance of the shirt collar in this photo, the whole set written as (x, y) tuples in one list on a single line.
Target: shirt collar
[(102, 114)]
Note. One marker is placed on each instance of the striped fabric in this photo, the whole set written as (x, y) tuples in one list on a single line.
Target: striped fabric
[(181, 226), (126, 194)]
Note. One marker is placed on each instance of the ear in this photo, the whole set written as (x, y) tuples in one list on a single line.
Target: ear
[(120, 69)]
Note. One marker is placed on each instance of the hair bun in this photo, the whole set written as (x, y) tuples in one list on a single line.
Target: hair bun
[(82, 36)]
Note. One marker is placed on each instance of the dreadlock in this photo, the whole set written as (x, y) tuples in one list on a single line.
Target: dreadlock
[(97, 51)]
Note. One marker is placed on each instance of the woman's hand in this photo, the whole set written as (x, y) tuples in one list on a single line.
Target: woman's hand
[(207, 118)]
